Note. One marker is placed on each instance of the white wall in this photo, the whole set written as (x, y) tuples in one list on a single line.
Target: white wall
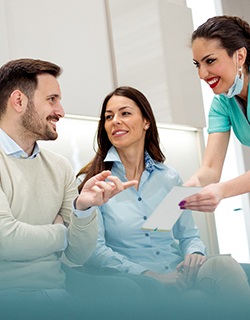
[(101, 44), (239, 8), (152, 52), (72, 34)]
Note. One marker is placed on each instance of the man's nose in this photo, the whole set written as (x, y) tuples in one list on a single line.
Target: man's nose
[(60, 111)]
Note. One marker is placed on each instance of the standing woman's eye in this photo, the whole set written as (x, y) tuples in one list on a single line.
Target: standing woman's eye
[(210, 61), (196, 64)]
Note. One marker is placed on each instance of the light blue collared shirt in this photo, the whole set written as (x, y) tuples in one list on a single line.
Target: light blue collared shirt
[(122, 244), (11, 148)]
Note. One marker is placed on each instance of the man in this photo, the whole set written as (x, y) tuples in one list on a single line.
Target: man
[(38, 218)]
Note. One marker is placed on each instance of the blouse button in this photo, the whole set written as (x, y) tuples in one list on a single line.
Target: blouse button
[(157, 253), (146, 234), (166, 267), (144, 218), (139, 199)]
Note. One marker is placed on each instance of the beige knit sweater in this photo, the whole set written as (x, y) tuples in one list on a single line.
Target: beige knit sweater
[(32, 193)]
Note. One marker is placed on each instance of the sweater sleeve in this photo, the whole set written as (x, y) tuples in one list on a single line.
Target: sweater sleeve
[(82, 230), (23, 241)]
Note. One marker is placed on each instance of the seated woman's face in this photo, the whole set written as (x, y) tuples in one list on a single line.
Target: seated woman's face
[(124, 123)]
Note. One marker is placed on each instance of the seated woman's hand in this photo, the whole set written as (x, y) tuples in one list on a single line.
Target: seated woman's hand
[(170, 280), (100, 188), (189, 267)]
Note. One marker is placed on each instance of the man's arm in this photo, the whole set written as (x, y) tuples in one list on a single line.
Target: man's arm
[(23, 241)]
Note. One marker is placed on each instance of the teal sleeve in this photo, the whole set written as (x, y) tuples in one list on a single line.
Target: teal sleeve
[(218, 117)]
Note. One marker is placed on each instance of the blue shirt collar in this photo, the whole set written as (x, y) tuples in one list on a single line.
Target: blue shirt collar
[(150, 164), (11, 148)]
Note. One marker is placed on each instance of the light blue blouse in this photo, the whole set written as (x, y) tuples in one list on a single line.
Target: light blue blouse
[(122, 244), (226, 113)]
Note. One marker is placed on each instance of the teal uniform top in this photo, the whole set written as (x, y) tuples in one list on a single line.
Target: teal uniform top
[(228, 112)]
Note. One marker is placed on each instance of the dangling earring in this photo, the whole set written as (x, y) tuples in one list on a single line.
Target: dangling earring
[(240, 71)]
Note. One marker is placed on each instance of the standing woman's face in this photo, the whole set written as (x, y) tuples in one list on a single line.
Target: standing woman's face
[(214, 64), (124, 123)]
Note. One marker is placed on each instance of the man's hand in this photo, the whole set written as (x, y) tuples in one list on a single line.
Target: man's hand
[(96, 191)]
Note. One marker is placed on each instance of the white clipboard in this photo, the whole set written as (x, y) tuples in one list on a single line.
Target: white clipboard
[(168, 211)]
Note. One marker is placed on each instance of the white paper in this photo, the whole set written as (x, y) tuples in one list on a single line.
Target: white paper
[(168, 211)]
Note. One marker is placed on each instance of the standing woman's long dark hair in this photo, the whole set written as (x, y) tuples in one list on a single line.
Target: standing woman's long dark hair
[(152, 140)]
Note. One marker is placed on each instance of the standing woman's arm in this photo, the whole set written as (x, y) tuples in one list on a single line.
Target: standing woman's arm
[(214, 156)]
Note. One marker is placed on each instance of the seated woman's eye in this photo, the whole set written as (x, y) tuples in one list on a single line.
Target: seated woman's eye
[(108, 117)]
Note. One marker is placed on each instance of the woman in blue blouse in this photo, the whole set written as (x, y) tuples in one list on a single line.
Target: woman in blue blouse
[(128, 145), (221, 53)]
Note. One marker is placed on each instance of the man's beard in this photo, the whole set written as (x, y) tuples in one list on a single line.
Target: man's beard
[(33, 124)]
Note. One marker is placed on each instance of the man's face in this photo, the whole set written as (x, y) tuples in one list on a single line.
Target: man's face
[(44, 110)]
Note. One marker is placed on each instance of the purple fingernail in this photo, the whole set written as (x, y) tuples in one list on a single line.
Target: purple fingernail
[(182, 203), (183, 208)]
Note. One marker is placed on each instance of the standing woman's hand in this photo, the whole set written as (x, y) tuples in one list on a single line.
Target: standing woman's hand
[(206, 200)]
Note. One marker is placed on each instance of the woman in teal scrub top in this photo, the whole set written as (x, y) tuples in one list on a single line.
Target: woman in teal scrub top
[(221, 53)]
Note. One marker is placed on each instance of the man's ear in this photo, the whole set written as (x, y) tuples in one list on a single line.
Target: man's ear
[(18, 100)]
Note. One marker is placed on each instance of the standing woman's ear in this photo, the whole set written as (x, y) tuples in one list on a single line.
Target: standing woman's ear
[(241, 56)]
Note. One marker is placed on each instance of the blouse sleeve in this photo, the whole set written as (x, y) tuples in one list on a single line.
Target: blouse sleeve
[(187, 233)]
